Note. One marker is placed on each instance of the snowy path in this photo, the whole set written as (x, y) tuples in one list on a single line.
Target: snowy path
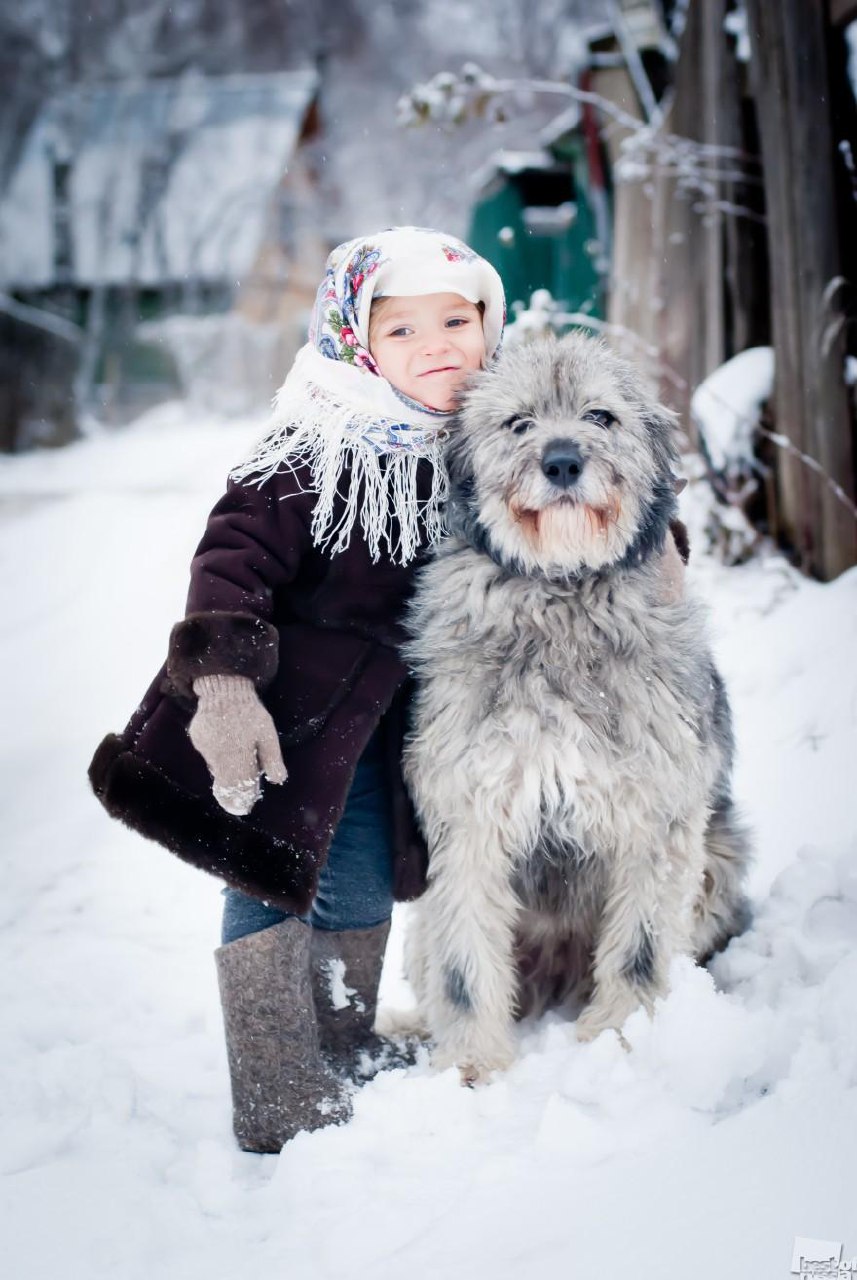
[(730, 1129)]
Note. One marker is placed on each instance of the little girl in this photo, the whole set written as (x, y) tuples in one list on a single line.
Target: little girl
[(296, 594)]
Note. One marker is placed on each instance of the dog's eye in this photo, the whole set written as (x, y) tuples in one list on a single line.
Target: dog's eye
[(519, 423), (603, 417)]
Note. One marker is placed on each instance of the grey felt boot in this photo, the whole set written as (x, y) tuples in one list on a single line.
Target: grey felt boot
[(346, 972), (279, 1083)]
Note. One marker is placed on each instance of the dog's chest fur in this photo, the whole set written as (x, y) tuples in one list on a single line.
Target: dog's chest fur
[(569, 715)]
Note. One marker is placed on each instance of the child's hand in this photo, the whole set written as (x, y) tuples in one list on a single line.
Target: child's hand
[(237, 738)]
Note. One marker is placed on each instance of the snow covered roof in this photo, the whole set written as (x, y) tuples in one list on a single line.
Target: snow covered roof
[(160, 181), (519, 161), (566, 122), (509, 163)]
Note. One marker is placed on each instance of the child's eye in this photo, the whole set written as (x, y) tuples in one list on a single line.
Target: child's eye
[(457, 321), (401, 332)]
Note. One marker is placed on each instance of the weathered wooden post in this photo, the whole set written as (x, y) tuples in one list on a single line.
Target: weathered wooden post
[(790, 84)]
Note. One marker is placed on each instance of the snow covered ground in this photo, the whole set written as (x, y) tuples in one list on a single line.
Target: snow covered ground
[(729, 1129)]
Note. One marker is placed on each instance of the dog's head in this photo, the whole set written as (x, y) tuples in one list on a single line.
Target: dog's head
[(560, 465)]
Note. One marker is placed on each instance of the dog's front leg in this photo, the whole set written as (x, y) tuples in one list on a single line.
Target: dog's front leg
[(646, 921), (467, 919)]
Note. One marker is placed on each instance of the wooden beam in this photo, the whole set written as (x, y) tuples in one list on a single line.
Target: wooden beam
[(842, 11), (790, 84)]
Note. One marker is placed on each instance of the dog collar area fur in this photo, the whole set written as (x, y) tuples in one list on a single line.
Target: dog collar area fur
[(644, 548)]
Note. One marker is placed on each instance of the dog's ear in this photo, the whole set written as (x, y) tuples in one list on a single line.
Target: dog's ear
[(664, 429), (661, 425), (456, 453), (461, 507)]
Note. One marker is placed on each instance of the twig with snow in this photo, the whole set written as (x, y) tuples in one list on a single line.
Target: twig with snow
[(450, 99)]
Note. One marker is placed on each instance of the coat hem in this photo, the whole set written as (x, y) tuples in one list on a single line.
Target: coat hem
[(199, 832)]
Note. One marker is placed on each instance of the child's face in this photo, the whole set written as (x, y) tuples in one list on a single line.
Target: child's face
[(425, 346)]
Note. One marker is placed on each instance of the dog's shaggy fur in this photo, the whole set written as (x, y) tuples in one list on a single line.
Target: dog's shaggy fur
[(571, 752)]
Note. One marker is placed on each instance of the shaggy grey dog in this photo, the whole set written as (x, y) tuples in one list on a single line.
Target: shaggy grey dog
[(571, 751)]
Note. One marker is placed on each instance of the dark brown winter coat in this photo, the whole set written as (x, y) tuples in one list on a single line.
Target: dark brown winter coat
[(318, 634)]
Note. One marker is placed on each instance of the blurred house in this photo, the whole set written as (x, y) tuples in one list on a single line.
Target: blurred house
[(185, 203), (542, 217)]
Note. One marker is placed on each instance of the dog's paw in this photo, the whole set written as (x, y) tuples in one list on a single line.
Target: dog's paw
[(473, 1069), (471, 1074), (589, 1029), (400, 1024), (596, 1018), (611, 1007)]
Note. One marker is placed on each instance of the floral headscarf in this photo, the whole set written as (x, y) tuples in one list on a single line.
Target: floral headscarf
[(404, 261), (335, 409)]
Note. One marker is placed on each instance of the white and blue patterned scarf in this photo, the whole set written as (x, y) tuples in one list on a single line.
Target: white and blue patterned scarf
[(335, 410)]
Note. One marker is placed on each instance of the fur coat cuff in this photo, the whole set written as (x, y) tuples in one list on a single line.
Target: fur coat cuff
[(220, 643)]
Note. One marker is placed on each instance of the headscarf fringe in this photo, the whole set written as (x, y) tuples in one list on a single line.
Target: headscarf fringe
[(320, 433)]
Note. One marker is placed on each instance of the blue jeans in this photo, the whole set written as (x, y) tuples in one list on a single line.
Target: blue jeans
[(355, 887)]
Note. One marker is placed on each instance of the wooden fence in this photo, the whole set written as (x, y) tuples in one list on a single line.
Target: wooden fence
[(750, 238)]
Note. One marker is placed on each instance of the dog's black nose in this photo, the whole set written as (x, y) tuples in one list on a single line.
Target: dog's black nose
[(562, 463)]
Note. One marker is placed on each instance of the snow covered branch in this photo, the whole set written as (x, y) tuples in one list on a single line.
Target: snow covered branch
[(450, 99)]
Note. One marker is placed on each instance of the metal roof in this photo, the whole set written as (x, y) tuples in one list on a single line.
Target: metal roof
[(156, 182)]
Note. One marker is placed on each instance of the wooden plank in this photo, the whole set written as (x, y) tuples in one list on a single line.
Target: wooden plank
[(712, 129), (630, 294), (692, 329), (790, 85), (842, 12)]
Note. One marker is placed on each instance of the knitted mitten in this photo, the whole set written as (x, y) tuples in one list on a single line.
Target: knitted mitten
[(236, 737)]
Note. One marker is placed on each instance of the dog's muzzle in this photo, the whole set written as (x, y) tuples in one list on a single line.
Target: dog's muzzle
[(562, 463)]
